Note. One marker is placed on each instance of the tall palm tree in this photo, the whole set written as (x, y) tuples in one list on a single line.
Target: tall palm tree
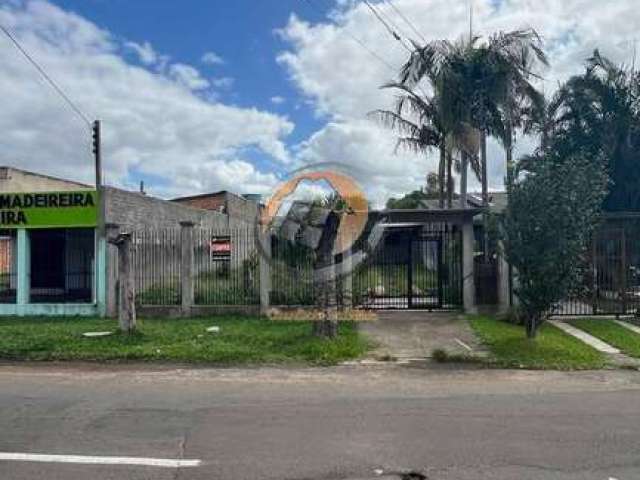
[(482, 85), (417, 119)]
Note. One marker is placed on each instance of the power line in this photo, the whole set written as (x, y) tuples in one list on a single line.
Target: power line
[(358, 41), (44, 74), (406, 20), (366, 48), (387, 25)]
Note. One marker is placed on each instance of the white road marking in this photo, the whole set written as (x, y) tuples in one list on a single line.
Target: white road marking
[(464, 345), (91, 460)]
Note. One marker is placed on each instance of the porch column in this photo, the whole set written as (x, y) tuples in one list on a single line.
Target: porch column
[(186, 267), (504, 284), (23, 264), (468, 279)]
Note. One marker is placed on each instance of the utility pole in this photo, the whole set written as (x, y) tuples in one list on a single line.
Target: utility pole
[(97, 154)]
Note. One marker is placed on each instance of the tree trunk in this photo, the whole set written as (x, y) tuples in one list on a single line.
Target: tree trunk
[(126, 298), (532, 323), (485, 192), (509, 154), (441, 174), (324, 278), (450, 186), (463, 179)]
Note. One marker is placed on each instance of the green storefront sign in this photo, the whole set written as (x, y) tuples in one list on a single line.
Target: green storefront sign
[(49, 209)]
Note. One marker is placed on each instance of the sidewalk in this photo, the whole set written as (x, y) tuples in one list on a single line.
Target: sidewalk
[(414, 335)]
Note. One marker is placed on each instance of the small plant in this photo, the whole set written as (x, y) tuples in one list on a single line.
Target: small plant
[(440, 355)]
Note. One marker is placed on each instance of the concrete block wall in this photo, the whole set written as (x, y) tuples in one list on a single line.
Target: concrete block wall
[(133, 210)]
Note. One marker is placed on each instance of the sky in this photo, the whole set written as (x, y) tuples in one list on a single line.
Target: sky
[(205, 95)]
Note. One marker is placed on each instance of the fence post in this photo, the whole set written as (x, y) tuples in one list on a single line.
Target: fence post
[(347, 278), (186, 267), (468, 280), (112, 232), (265, 269)]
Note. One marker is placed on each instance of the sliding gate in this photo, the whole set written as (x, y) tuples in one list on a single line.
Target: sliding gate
[(412, 269)]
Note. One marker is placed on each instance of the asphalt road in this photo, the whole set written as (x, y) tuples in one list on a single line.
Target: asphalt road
[(339, 423)]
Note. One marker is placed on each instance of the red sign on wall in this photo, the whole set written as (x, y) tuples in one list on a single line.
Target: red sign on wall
[(220, 248)]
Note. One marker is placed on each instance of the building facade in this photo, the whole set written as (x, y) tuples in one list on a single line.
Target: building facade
[(53, 262)]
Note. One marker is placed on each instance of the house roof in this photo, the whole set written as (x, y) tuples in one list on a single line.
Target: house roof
[(497, 202), (9, 168)]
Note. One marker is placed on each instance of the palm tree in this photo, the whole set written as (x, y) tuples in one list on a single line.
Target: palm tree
[(482, 86), (417, 119)]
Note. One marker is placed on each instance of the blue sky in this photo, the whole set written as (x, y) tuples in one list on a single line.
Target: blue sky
[(241, 32), (286, 86)]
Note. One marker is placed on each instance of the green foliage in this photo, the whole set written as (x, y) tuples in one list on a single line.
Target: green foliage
[(242, 340), (551, 215), (598, 112), (553, 349)]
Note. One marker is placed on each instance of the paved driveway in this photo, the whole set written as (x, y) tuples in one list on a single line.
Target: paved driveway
[(415, 334)]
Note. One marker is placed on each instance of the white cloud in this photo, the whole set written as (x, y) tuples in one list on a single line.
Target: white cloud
[(277, 100), (145, 52), (341, 79), (211, 58), (151, 125), (188, 77)]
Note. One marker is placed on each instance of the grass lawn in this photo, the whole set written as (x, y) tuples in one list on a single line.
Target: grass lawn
[(552, 349), (241, 341), (610, 332)]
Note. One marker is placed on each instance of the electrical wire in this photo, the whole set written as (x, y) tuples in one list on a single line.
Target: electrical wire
[(406, 20), (47, 78), (387, 24), (357, 40)]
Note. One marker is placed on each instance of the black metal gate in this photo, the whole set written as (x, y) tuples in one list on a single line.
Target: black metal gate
[(611, 279), (412, 269)]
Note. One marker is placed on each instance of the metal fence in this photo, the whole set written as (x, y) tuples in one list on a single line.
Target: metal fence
[(412, 268), (611, 280), (156, 266), (291, 273), (226, 267)]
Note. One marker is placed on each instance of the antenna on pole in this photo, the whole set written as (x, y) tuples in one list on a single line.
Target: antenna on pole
[(470, 20)]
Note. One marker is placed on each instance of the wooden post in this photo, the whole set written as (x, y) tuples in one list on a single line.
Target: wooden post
[(126, 293), (324, 278), (186, 267)]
